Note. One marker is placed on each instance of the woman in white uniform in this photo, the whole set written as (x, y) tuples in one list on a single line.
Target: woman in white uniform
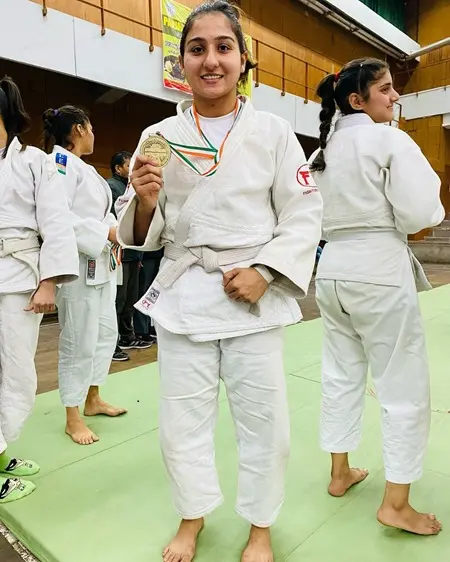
[(377, 188), (240, 231), (32, 205), (86, 309)]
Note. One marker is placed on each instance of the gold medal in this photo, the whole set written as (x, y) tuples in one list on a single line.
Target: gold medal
[(157, 148)]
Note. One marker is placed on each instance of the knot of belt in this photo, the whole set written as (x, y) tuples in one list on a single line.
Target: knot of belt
[(184, 258)]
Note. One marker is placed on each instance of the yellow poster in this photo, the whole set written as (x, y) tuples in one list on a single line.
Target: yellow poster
[(174, 16)]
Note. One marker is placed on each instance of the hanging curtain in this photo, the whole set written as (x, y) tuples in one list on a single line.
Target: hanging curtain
[(391, 10)]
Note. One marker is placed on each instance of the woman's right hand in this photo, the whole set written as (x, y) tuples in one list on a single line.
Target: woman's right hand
[(146, 179)]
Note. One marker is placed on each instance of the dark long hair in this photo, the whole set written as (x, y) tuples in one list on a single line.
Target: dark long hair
[(234, 16), (335, 90), (12, 112), (59, 124)]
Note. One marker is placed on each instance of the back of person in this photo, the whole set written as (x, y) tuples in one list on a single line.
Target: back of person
[(377, 188)]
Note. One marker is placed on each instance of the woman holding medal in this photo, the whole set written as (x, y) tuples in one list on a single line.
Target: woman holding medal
[(86, 308), (222, 188)]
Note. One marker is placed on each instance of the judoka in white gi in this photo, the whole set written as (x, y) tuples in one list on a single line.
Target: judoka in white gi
[(86, 308), (377, 188), (32, 205), (240, 228)]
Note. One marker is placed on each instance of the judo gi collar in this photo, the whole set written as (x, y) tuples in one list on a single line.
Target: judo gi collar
[(353, 120), (191, 151)]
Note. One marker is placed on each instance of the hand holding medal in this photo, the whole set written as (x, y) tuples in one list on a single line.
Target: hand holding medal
[(146, 177)]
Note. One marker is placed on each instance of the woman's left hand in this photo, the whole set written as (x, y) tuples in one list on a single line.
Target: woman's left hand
[(43, 300), (245, 285)]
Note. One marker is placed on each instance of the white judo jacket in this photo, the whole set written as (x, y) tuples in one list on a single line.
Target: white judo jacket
[(90, 200), (32, 204), (260, 208), (377, 188)]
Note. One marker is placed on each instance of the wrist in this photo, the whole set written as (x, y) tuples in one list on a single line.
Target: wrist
[(146, 206), (48, 283), (264, 272)]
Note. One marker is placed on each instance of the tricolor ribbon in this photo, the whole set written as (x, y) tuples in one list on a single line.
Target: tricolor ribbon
[(185, 153), (115, 257)]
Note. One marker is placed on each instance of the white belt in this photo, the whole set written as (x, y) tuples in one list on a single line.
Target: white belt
[(18, 248), (209, 259), (9, 246), (349, 235)]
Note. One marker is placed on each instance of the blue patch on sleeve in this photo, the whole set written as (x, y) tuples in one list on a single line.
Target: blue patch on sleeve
[(61, 163)]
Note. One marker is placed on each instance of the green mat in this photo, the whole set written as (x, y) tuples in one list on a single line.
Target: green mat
[(110, 502)]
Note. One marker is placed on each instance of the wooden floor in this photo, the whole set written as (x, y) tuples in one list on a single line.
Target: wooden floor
[(47, 362)]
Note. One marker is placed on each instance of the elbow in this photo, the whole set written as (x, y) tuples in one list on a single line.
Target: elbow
[(426, 219)]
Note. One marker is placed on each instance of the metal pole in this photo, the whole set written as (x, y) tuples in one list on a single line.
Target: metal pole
[(257, 60), (102, 15), (44, 8), (151, 47), (429, 49)]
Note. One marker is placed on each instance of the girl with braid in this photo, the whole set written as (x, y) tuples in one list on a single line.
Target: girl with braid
[(377, 188)]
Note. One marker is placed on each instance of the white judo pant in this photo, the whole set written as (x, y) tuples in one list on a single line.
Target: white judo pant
[(381, 327), (88, 321), (19, 332), (251, 368)]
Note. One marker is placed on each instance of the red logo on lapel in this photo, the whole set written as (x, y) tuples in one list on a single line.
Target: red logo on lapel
[(304, 177)]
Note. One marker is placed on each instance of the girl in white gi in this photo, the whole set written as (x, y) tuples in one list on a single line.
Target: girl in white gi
[(32, 204), (86, 308), (240, 232), (377, 188)]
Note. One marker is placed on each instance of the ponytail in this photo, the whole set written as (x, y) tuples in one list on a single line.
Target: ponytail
[(59, 124), (12, 112), (326, 92), (335, 90)]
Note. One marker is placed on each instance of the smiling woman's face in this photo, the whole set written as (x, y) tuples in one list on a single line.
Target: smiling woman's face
[(380, 104), (212, 61)]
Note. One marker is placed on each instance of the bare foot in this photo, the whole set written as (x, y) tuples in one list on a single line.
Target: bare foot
[(259, 548), (182, 547), (339, 486), (100, 408), (408, 519), (80, 433)]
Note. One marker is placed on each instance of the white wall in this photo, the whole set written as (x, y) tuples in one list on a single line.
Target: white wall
[(75, 47), (426, 103), (446, 121), (366, 17)]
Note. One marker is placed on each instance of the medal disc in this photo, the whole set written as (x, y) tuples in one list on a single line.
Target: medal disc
[(156, 147)]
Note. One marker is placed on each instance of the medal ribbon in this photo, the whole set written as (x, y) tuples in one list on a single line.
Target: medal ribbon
[(185, 153), (115, 257)]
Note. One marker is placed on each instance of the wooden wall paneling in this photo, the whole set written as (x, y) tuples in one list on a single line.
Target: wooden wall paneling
[(314, 77), (121, 25), (266, 36), (294, 88), (137, 10), (270, 61), (76, 9), (270, 80), (133, 9), (295, 72), (272, 17)]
